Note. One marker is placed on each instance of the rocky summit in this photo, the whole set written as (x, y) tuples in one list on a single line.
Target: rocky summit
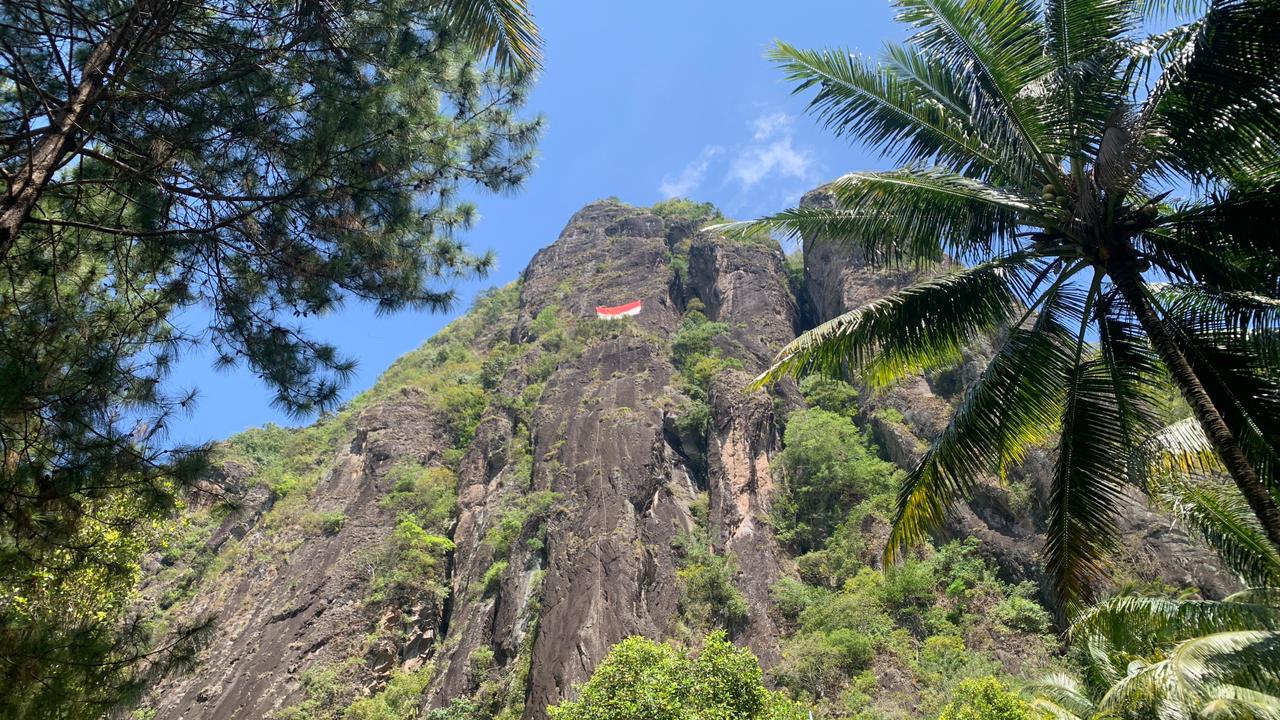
[(535, 484)]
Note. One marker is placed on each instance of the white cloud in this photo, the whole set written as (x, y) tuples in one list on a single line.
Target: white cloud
[(766, 126), (691, 176), (771, 153), (767, 162)]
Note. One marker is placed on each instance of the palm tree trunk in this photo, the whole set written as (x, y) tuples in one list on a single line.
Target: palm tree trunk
[(1242, 471)]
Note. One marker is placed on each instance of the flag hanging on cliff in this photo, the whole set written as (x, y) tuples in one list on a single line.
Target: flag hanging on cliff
[(619, 311)]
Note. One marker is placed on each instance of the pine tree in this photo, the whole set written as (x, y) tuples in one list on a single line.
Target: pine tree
[(257, 161)]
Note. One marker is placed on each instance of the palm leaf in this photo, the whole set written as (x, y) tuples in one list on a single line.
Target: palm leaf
[(906, 215), (1125, 620), (919, 328), (1230, 239), (1240, 381), (1085, 41), (1158, 9), (1217, 105), (1087, 491), (890, 112), (1060, 695), (995, 46), (503, 27), (1232, 702), (1013, 405), (1196, 668), (1178, 468)]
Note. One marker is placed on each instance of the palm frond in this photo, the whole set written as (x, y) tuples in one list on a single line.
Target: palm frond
[(906, 215), (921, 327), (1179, 449), (1161, 9), (1232, 702), (1085, 40), (995, 47), (1060, 695), (1220, 515), (886, 111), (503, 27), (1230, 239), (1013, 405), (1217, 104), (1128, 620), (1088, 485), (1240, 381), (1195, 669), (1269, 596)]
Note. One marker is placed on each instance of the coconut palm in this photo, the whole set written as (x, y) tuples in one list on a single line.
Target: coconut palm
[(1039, 143), (1147, 657)]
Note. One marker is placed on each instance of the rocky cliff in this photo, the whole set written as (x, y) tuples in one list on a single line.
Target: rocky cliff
[(534, 484)]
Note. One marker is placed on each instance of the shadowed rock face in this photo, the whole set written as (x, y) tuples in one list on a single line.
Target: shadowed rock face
[(620, 478)]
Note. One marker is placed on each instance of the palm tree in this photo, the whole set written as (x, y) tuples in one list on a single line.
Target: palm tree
[(1147, 657), (1039, 143)]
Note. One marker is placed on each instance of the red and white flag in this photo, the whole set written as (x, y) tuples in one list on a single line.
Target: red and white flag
[(619, 311)]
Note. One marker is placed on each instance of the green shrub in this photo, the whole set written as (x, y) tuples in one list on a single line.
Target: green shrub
[(546, 322), (693, 338), (682, 209), (645, 680), (428, 496), (397, 700), (327, 524), (793, 597), (985, 698), (460, 708), (818, 664), (830, 394), (827, 466), (1023, 614), (708, 598), (493, 576), (518, 519), (411, 566)]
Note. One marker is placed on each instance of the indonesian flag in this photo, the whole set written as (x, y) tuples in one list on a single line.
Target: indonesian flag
[(619, 311)]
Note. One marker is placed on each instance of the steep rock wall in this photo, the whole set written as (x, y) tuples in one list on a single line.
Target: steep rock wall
[(578, 481)]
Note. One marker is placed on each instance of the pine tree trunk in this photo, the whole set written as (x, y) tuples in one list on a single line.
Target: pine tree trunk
[(1211, 421), (67, 130)]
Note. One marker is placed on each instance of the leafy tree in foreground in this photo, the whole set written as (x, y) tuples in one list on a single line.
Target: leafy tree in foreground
[(1039, 143), (250, 162), (647, 680)]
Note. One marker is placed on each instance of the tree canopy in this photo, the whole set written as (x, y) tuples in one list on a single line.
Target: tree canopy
[(249, 163), (646, 680)]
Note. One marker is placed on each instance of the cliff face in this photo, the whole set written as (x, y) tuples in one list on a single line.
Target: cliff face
[(519, 494)]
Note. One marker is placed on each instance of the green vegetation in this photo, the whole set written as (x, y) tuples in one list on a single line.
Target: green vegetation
[(985, 699), (827, 467), (698, 360), (708, 599), (1058, 200), (524, 518), (930, 618), (685, 210), (645, 680), (1140, 657), (399, 698), (248, 164)]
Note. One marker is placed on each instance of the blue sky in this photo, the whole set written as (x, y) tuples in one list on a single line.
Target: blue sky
[(642, 100)]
